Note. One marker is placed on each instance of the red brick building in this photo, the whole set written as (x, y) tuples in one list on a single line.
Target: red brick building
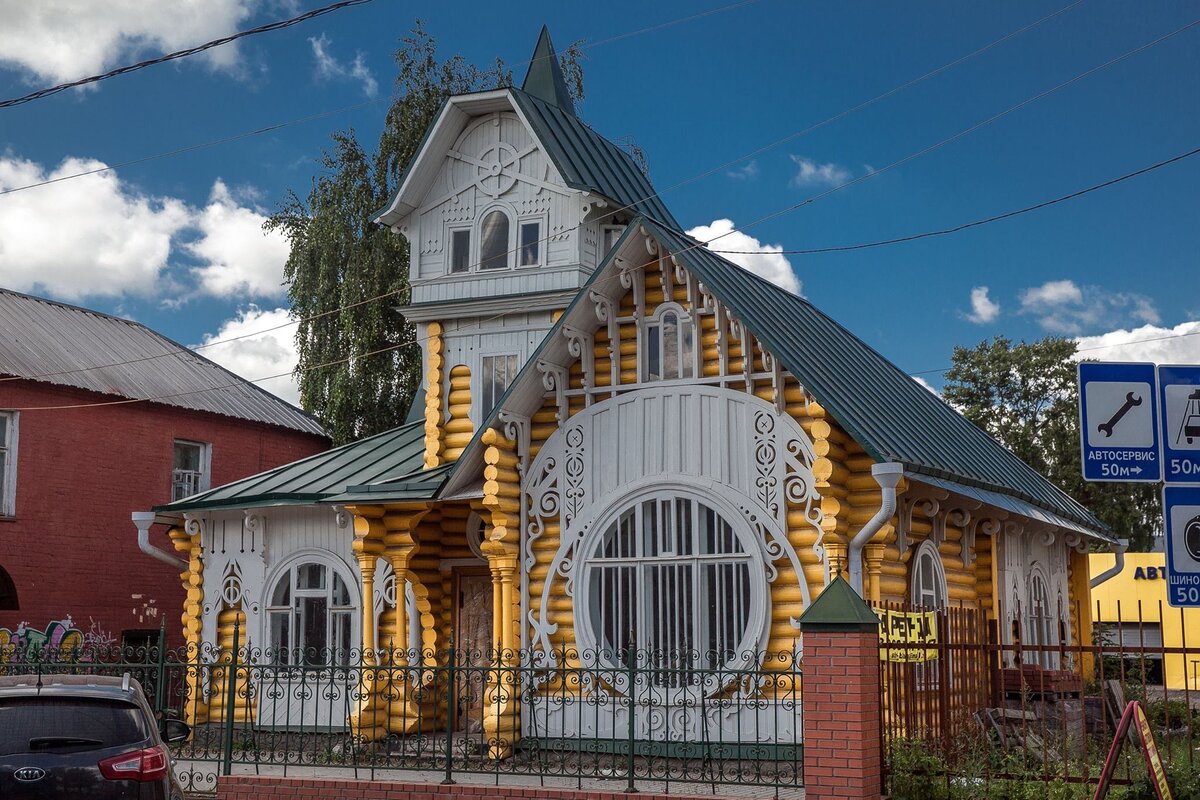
[(100, 417)]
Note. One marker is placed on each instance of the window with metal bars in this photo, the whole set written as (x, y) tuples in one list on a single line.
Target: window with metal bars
[(189, 469), (8, 463), (671, 580)]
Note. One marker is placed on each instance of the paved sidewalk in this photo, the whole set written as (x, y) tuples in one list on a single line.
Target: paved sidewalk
[(205, 775)]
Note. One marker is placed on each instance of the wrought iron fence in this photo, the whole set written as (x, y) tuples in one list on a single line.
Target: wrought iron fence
[(621, 720), (963, 711)]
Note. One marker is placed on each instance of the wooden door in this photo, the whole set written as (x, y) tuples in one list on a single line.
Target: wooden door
[(473, 643)]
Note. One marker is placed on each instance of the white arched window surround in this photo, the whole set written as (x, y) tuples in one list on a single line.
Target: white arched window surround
[(687, 593), (928, 583), (1040, 627), (668, 344), (510, 249), (289, 626)]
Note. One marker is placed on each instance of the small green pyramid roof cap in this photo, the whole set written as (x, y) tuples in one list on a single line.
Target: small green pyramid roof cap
[(545, 80), (839, 608)]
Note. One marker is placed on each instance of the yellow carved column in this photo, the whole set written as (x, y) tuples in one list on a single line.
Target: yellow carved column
[(873, 559), (188, 544), (369, 720), (399, 540), (501, 510)]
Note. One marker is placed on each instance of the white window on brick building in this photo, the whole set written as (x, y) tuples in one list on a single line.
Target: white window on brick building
[(8, 463), (190, 469)]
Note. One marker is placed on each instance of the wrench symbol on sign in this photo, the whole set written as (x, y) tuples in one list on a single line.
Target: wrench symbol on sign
[(1130, 402)]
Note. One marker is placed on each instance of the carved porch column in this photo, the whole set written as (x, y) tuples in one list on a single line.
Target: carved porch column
[(369, 720)]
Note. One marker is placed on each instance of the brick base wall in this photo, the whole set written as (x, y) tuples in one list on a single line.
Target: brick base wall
[(262, 787)]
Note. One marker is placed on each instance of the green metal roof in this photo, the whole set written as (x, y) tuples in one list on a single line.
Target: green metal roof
[(544, 79), (838, 607), (398, 452), (420, 485), (589, 162), (888, 413)]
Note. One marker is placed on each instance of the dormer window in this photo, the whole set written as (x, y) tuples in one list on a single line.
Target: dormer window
[(670, 350), (493, 241)]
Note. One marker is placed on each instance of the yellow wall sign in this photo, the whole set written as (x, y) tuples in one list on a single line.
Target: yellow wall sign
[(902, 633)]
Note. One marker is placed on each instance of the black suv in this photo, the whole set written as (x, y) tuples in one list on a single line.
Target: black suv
[(83, 736)]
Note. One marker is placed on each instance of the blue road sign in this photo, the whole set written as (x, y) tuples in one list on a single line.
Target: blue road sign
[(1181, 507), (1179, 393), (1119, 422)]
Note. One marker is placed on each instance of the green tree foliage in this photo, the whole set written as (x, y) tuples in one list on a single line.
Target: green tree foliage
[(1026, 395), (359, 358)]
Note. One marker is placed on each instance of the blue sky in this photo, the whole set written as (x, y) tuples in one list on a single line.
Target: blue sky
[(173, 243)]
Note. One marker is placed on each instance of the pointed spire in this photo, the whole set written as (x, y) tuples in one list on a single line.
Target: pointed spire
[(545, 80)]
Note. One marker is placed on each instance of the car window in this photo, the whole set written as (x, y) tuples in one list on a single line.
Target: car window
[(56, 723)]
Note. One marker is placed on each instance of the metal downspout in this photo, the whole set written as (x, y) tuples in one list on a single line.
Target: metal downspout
[(144, 520), (888, 476), (1115, 569)]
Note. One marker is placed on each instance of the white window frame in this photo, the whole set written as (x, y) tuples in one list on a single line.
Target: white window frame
[(204, 478), (653, 327), (1040, 630), (604, 231), (541, 243), (478, 375), (926, 674), (8, 475), (450, 231), (353, 611), (928, 550), (747, 649), (477, 244)]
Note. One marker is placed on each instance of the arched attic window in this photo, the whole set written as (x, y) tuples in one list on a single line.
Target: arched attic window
[(493, 240), (8, 592), (1039, 622), (670, 345), (928, 578)]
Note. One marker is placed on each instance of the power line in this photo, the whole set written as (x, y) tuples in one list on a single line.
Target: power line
[(607, 215), (344, 109), (759, 221), (998, 217), (191, 51)]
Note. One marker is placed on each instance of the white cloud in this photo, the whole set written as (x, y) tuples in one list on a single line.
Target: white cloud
[(1064, 307), (1178, 345), (772, 264), (812, 173), (238, 256), (329, 68), (89, 236), (746, 172), (983, 308), (259, 355), (63, 40), (926, 384)]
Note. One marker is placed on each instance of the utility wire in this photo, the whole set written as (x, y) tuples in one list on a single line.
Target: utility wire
[(770, 216), (345, 109), (998, 217), (191, 51)]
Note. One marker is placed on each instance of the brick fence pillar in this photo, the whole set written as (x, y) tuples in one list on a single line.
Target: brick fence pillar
[(841, 696)]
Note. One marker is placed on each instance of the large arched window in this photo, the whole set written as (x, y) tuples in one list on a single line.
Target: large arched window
[(672, 579), (310, 616), (928, 578), (1039, 620), (493, 240), (670, 347)]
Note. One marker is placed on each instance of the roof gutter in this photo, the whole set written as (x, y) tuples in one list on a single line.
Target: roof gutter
[(144, 520), (888, 476), (1115, 570)]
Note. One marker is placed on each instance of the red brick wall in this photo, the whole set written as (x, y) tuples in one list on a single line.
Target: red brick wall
[(841, 715), (71, 549), (261, 787)]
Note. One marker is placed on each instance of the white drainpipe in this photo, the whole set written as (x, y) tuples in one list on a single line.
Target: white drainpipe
[(887, 475), (144, 520), (1115, 570)]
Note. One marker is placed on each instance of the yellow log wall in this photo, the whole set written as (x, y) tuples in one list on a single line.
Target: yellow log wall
[(458, 428), (433, 395)]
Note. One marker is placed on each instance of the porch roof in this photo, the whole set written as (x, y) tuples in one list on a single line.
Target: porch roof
[(391, 454)]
